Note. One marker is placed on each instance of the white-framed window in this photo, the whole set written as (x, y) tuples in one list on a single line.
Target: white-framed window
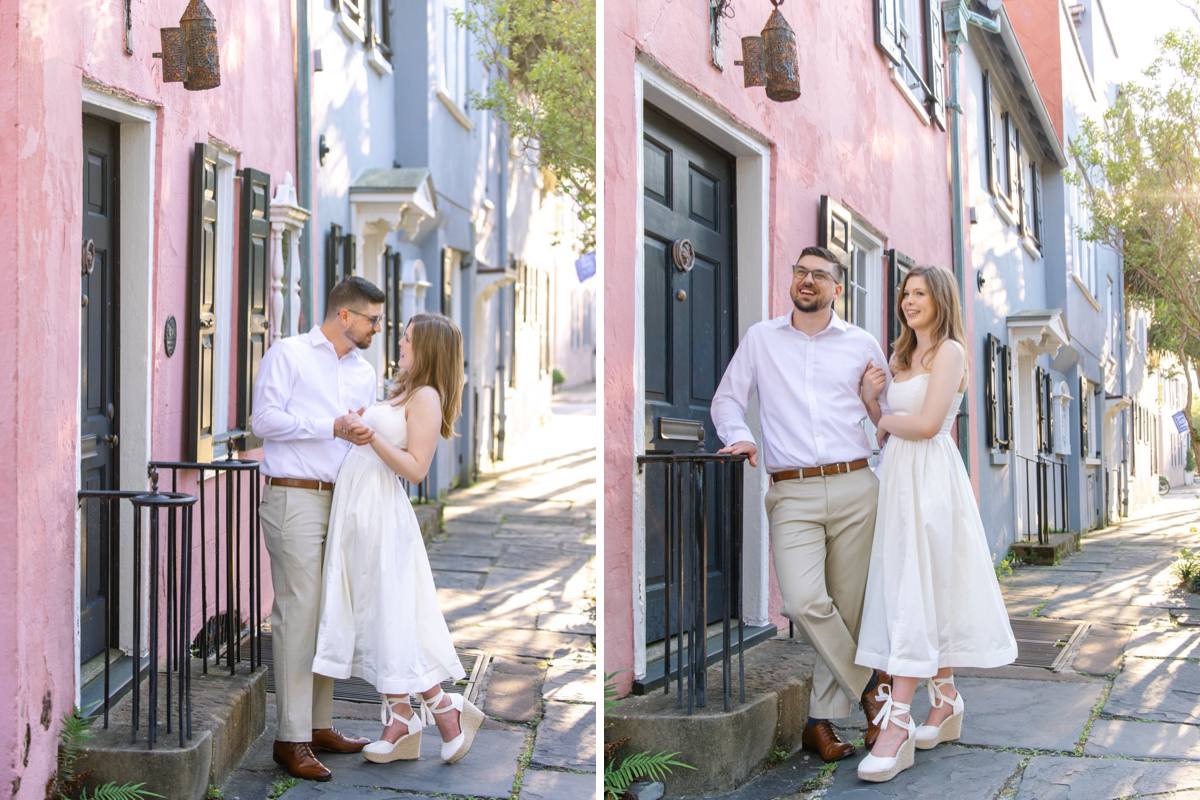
[(223, 344), (864, 284), (909, 32), (452, 58)]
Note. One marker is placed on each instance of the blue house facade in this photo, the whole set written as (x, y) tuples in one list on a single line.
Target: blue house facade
[(420, 193)]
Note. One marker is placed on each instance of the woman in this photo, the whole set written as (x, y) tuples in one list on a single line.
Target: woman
[(932, 601), (379, 614)]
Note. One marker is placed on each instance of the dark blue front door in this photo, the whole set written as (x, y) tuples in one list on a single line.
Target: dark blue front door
[(690, 325), (98, 424)]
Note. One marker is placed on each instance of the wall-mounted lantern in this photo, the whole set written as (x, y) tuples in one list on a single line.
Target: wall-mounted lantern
[(189, 52), (771, 59)]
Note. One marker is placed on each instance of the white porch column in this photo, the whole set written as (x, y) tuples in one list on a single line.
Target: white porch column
[(287, 217)]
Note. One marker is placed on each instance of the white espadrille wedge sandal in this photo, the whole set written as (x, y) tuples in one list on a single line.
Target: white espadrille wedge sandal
[(950, 729), (878, 769), (408, 746), (469, 720)]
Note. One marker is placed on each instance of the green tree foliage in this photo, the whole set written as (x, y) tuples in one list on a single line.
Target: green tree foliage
[(546, 51), (1141, 175)]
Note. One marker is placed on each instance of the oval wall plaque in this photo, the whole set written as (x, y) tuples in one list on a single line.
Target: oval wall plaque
[(169, 333)]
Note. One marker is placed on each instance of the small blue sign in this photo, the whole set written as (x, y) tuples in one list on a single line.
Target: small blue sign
[(1181, 421), (585, 266)]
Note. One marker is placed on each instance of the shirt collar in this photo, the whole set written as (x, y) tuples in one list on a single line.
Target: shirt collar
[(317, 338), (835, 323)]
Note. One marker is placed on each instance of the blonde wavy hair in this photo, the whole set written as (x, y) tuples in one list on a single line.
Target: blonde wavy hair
[(437, 352), (947, 317)]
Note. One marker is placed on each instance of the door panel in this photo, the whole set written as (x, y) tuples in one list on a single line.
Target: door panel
[(689, 327), (98, 359)]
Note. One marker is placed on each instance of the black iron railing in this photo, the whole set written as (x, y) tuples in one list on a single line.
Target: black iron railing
[(232, 480), (176, 540), (689, 518), (1043, 484), (422, 495)]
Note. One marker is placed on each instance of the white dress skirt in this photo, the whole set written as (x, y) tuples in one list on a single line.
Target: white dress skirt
[(380, 619), (932, 599)]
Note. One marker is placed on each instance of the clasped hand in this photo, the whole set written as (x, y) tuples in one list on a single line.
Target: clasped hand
[(350, 426)]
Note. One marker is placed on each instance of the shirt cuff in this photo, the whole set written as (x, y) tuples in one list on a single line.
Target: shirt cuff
[(324, 428), (737, 434)]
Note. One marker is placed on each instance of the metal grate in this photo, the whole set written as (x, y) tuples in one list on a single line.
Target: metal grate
[(1045, 643), (356, 690)]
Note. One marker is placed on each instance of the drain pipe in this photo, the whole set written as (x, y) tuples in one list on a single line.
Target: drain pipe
[(956, 17), (304, 177)]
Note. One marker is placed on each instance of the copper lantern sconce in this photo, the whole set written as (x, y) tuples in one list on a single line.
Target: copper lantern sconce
[(771, 59), (189, 52)]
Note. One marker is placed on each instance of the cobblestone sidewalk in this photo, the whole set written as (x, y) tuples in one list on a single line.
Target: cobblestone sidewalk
[(1122, 720), (515, 570)]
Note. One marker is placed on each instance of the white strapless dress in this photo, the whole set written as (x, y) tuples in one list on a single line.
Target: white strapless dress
[(932, 599), (380, 619)]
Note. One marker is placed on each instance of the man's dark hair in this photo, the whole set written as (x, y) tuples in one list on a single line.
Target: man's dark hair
[(826, 254), (352, 292)]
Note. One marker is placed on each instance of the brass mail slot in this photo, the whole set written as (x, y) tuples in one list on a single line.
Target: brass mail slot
[(680, 430)]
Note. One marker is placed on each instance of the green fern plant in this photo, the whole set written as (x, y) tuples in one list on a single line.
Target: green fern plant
[(76, 730), (110, 791), (656, 766), (618, 777)]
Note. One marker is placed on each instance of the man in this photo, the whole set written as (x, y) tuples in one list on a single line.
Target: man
[(807, 367), (305, 386)]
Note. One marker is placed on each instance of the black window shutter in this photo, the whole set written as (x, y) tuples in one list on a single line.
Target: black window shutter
[(1084, 414), (334, 264), (937, 63), (991, 402), (1024, 223), (1041, 410), (202, 310), (255, 272), (1037, 203), (989, 125), (898, 266), (834, 228), (1014, 159), (1008, 403), (887, 28), (394, 325), (447, 280), (349, 255)]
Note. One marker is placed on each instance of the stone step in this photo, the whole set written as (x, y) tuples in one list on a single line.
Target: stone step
[(1059, 547), (228, 714), (725, 747)]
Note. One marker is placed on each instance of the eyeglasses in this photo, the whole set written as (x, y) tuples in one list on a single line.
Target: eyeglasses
[(376, 320), (818, 275)]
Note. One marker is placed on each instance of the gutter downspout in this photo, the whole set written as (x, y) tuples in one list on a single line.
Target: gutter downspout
[(955, 20), (1126, 443), (502, 237), (304, 155)]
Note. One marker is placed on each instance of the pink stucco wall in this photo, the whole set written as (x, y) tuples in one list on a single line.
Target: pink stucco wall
[(49, 48), (850, 135)]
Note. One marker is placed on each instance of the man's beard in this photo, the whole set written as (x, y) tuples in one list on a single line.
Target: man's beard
[(807, 304), (362, 345)]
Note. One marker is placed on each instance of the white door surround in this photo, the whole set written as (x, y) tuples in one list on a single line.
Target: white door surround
[(137, 180), (752, 167)]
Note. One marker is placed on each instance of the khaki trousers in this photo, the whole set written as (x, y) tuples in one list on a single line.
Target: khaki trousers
[(821, 532), (294, 524)]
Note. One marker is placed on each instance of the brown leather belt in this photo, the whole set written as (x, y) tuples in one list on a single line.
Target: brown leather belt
[(300, 483), (839, 468)]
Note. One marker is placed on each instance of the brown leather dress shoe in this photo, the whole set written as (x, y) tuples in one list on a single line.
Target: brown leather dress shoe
[(298, 759), (331, 740), (871, 707), (822, 739)]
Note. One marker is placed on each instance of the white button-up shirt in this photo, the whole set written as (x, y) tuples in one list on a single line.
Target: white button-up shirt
[(302, 387), (807, 392)]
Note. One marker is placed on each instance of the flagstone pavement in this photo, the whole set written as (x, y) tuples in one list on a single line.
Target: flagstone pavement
[(1121, 720), (515, 570)]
